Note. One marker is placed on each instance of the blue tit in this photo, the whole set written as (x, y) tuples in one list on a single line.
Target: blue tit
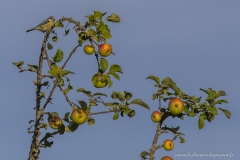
[(45, 25)]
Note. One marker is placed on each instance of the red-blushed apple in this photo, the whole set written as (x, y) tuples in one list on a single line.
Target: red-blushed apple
[(168, 145), (98, 81), (166, 158), (156, 116), (175, 106), (105, 49), (54, 121), (88, 49), (78, 116)]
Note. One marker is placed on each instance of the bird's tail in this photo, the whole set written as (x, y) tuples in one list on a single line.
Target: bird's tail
[(30, 30)]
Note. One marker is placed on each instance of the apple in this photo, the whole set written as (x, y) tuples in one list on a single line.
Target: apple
[(156, 116), (78, 116), (166, 158), (88, 49), (175, 106), (168, 145), (98, 82), (104, 49), (54, 121)]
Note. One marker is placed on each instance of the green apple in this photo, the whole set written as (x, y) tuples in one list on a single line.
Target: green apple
[(156, 116), (105, 49), (78, 116), (88, 49), (175, 106), (168, 145), (98, 82), (166, 158)]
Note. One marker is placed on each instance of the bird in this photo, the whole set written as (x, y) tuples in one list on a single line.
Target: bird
[(45, 25)]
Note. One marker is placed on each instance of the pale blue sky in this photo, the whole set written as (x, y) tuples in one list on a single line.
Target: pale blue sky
[(196, 43)]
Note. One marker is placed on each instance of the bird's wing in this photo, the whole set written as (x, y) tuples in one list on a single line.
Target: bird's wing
[(44, 22)]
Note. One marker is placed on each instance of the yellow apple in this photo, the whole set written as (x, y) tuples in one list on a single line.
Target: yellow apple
[(78, 116), (175, 106), (168, 145), (54, 121), (166, 158), (98, 82), (156, 116), (104, 49), (88, 49)]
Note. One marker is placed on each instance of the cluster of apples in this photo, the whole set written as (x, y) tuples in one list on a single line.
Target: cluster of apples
[(175, 106), (104, 49), (78, 116)]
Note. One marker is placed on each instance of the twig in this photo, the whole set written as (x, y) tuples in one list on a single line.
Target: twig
[(103, 112)]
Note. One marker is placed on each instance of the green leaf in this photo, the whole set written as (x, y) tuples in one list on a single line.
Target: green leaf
[(156, 79), (168, 80), (186, 109), (195, 99), (173, 130), (107, 77), (114, 75), (220, 93), (97, 15), (200, 123), (54, 38), (221, 101), (115, 116), (103, 64), (141, 103), (213, 110), (65, 118), (66, 32), (182, 140), (43, 94), (191, 114), (84, 91), (45, 83), (91, 121), (32, 67), (206, 91), (108, 104), (107, 35), (113, 18), (18, 64), (226, 112), (80, 42), (154, 96), (59, 24), (203, 115), (131, 113), (83, 105), (69, 88), (58, 56), (99, 94), (176, 89), (49, 46), (65, 72), (144, 153), (128, 95), (71, 127), (91, 32), (47, 143), (61, 130), (118, 95), (210, 116), (115, 68)]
